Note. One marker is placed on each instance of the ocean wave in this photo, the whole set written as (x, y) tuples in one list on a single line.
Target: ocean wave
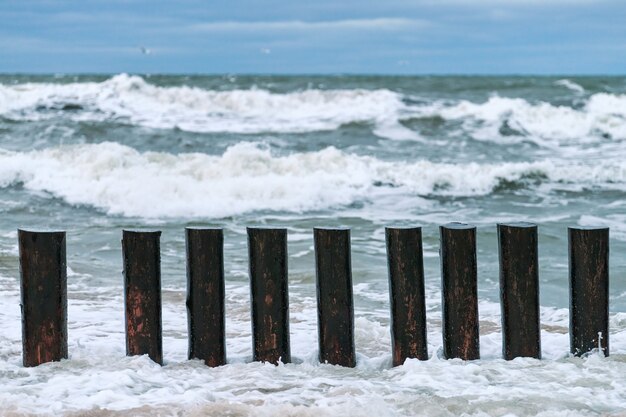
[(247, 177), (603, 116), (133, 100)]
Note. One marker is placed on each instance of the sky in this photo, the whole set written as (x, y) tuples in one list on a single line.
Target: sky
[(564, 37)]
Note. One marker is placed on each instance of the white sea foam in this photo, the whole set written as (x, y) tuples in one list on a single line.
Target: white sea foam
[(247, 177), (99, 380)]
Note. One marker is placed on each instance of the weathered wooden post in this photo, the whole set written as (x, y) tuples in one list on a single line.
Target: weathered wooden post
[(43, 288), (269, 294), (142, 293), (519, 290), (589, 289), (459, 291), (406, 293), (205, 295), (335, 308)]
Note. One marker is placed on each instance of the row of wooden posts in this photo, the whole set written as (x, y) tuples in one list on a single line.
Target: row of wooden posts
[(44, 293)]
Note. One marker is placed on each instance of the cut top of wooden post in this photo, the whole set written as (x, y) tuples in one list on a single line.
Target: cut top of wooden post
[(520, 224)]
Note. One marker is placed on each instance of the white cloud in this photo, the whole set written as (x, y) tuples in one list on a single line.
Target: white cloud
[(299, 25)]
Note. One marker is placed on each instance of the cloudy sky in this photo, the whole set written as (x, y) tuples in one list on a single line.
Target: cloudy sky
[(314, 36)]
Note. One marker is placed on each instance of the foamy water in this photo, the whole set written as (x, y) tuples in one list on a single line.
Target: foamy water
[(98, 376), (94, 155)]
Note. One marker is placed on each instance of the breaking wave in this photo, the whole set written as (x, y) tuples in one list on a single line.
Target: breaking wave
[(132, 100), (247, 177), (603, 116)]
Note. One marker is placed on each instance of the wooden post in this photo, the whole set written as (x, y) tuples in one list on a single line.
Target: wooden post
[(142, 293), (269, 294), (406, 293), (205, 295), (519, 290), (589, 289), (43, 287), (335, 309), (459, 291)]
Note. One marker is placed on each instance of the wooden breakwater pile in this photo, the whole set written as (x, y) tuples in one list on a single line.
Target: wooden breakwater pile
[(44, 293)]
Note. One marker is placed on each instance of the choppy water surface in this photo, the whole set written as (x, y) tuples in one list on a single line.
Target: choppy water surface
[(94, 155)]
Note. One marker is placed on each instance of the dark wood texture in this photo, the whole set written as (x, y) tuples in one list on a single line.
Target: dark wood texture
[(142, 293), (519, 290), (269, 294), (43, 273), (205, 295), (589, 289), (335, 308), (406, 294), (459, 291)]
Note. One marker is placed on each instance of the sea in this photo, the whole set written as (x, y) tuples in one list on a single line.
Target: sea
[(95, 154)]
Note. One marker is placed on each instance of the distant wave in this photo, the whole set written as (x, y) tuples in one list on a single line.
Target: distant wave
[(247, 177), (133, 100), (602, 117), (130, 99), (570, 85)]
